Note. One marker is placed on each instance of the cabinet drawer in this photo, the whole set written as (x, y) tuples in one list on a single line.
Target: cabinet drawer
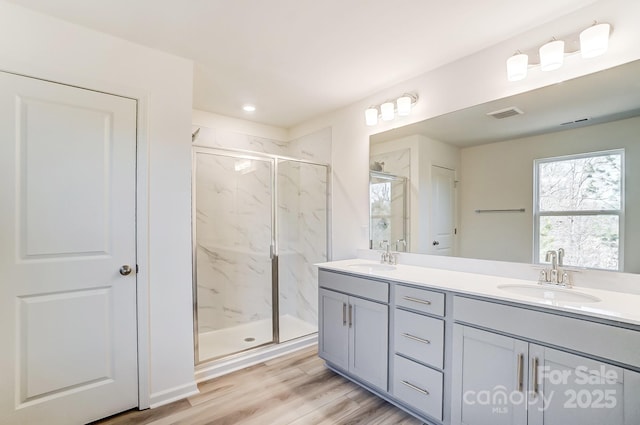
[(597, 339), (419, 337), (365, 288), (420, 299), (418, 386)]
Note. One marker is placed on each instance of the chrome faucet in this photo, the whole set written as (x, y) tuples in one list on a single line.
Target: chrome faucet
[(387, 256), (402, 242), (384, 255), (560, 257), (555, 275)]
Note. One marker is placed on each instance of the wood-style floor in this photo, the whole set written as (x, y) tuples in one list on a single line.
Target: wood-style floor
[(296, 389)]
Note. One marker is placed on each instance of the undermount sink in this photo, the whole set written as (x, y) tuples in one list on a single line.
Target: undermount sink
[(372, 267), (547, 293)]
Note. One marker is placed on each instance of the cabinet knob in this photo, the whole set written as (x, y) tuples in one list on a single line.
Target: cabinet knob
[(436, 243)]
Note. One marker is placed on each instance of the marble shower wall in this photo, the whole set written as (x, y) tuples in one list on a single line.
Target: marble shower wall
[(302, 225), (233, 213)]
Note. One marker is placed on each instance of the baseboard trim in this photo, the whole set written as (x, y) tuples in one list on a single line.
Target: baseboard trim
[(221, 367), (173, 394)]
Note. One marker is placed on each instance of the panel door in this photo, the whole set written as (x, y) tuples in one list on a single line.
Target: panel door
[(67, 225), (368, 341), (489, 378), (333, 335), (442, 211), (567, 389)]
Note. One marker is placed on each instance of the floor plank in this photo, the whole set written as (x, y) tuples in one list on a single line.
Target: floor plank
[(296, 389)]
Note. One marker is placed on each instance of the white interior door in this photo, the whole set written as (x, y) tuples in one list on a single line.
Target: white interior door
[(442, 211), (67, 225)]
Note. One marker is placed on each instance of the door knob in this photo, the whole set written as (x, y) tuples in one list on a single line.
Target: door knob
[(435, 243), (125, 270)]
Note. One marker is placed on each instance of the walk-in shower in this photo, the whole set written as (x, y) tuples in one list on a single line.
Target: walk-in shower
[(260, 223)]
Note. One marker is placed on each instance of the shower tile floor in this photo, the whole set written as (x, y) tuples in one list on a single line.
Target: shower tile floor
[(222, 342)]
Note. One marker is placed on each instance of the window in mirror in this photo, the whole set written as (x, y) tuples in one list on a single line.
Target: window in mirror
[(579, 203)]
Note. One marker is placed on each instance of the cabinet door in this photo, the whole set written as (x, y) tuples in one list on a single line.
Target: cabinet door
[(368, 341), (489, 378), (333, 332), (571, 389)]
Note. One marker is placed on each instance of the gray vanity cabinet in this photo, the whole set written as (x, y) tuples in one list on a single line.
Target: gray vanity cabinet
[(499, 379), (353, 334), (571, 389), (418, 350), (459, 359), (333, 338), (489, 378)]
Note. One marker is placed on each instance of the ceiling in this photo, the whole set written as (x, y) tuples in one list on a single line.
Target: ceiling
[(604, 96), (297, 59)]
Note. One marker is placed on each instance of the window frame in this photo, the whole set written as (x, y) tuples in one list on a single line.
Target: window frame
[(537, 214)]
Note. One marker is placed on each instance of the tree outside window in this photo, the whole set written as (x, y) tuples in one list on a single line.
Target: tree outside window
[(579, 207)]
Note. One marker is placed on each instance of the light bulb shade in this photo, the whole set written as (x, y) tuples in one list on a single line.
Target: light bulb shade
[(371, 116), (552, 55), (517, 66), (404, 106), (594, 41), (387, 111)]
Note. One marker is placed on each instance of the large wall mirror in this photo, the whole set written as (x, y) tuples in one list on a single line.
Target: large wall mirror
[(556, 167)]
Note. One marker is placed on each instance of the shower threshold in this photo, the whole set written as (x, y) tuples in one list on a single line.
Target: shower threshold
[(227, 341)]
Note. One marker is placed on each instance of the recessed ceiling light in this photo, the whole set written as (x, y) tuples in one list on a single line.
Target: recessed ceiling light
[(249, 108)]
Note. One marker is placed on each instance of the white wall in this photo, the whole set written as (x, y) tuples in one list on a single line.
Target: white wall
[(500, 175), (470, 81), (36, 45)]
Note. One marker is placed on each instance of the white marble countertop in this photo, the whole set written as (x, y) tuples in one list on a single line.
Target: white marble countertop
[(616, 306)]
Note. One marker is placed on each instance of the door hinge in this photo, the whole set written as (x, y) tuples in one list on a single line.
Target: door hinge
[(137, 269), (455, 231)]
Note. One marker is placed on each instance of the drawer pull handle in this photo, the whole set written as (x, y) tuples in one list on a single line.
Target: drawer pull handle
[(417, 300), (416, 338), (413, 387)]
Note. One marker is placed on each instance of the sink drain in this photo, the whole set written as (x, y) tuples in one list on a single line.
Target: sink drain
[(249, 339)]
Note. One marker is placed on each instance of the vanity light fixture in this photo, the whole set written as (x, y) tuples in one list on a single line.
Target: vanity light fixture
[(404, 105), (552, 55), (371, 116), (590, 42), (387, 111), (594, 41), (517, 66)]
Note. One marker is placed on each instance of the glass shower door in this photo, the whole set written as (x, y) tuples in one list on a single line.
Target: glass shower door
[(302, 242), (233, 234)]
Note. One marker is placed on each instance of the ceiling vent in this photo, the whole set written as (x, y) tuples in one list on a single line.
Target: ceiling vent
[(580, 121), (505, 113)]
